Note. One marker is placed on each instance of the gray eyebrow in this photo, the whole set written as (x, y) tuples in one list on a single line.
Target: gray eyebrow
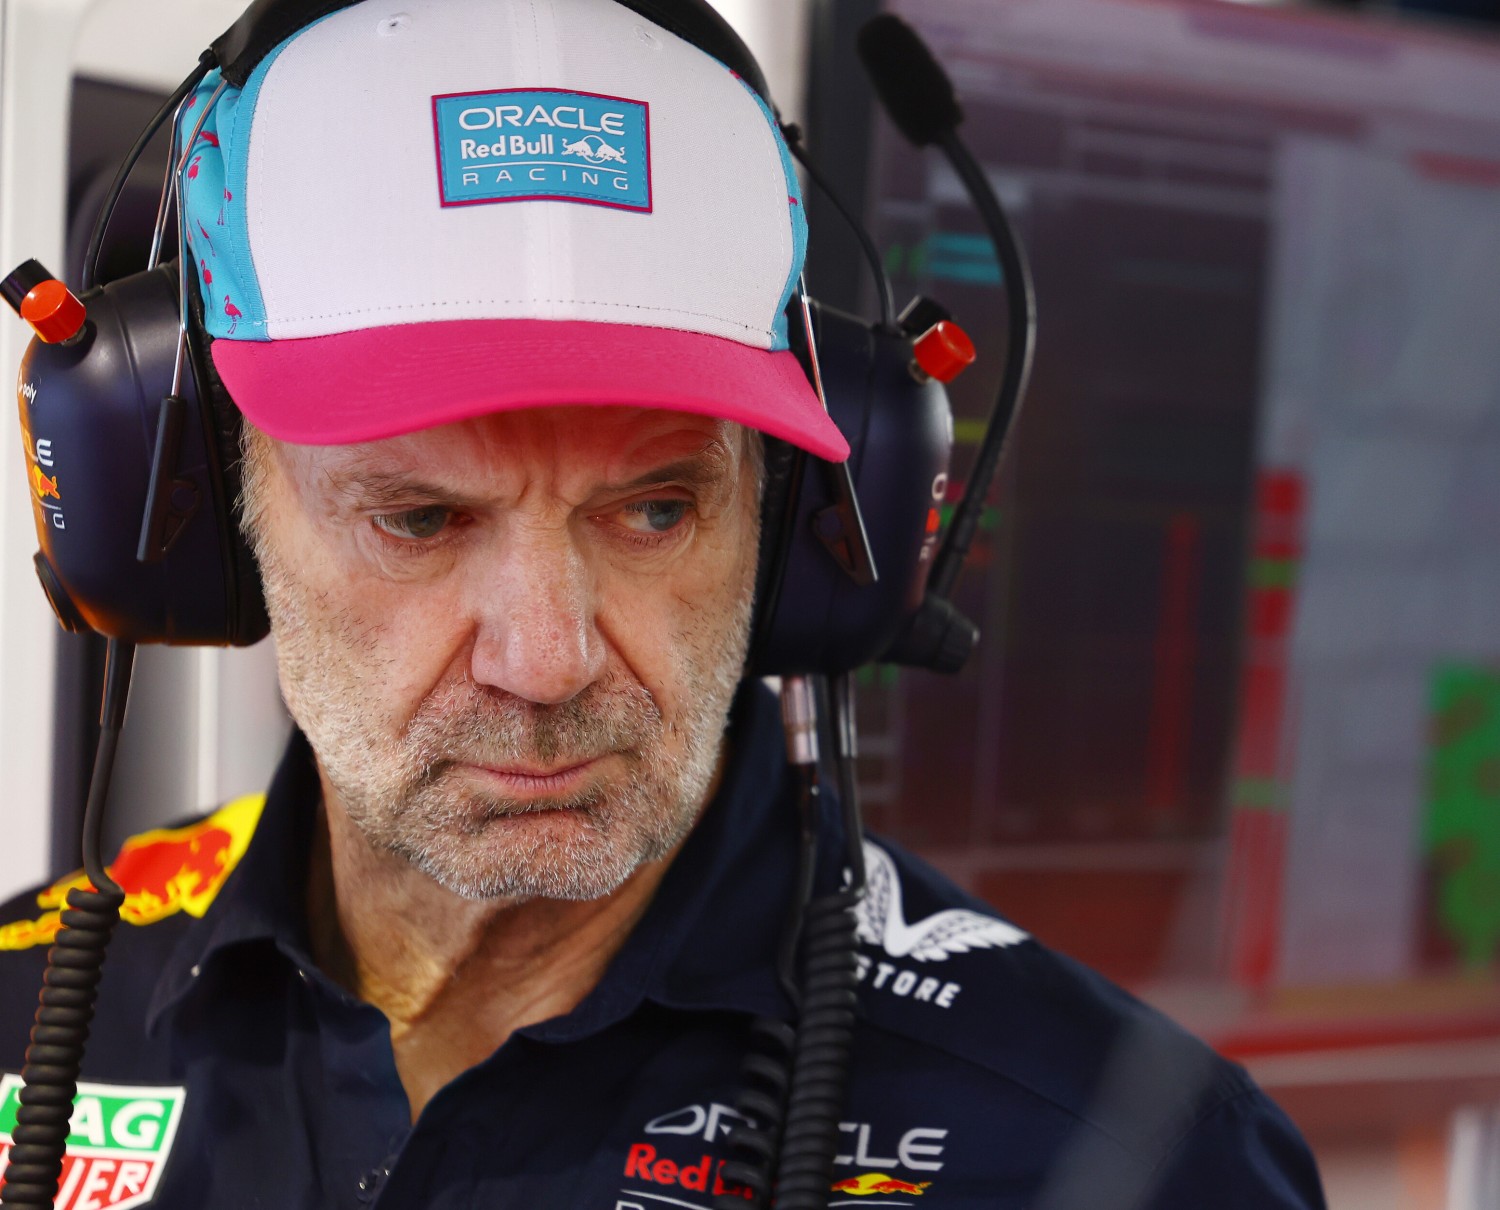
[(385, 487), (701, 471)]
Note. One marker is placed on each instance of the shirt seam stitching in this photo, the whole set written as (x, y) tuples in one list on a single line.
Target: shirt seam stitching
[(1129, 1150), (1218, 1106)]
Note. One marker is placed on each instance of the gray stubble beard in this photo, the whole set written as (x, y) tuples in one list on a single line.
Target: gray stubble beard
[(405, 795)]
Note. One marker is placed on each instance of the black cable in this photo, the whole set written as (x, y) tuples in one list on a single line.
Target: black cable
[(795, 1082), (793, 135), (823, 1054), (122, 174), (766, 1071), (71, 983), (808, 809), (848, 752), (830, 1001)]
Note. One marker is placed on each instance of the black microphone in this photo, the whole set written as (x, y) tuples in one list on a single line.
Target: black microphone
[(918, 96), (914, 89)]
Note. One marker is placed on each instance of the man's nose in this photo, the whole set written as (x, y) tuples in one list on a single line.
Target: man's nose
[(537, 637)]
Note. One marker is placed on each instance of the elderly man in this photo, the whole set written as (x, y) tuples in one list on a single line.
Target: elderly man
[(500, 288)]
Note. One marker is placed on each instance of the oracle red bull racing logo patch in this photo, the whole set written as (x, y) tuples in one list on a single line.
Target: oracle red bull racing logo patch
[(162, 872), (119, 1142), (542, 144), (679, 1163)]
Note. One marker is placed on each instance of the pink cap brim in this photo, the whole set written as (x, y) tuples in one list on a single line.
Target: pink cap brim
[(381, 382)]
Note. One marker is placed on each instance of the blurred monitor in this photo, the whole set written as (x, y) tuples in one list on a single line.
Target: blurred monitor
[(1234, 722)]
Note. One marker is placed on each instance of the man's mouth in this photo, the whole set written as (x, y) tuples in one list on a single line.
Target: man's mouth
[(521, 780)]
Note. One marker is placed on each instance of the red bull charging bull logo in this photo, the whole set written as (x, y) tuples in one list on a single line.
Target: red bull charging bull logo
[(44, 485), (867, 1183), (163, 872)]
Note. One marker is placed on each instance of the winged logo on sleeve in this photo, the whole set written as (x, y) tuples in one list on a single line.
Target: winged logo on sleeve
[(882, 922)]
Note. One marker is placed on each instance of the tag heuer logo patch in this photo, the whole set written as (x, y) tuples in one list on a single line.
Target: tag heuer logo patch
[(119, 1145)]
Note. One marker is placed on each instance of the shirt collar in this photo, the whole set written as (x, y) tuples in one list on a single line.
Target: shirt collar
[(265, 899), (708, 940), (710, 937)]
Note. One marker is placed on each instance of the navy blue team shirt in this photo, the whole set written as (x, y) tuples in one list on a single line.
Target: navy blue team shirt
[(226, 1071)]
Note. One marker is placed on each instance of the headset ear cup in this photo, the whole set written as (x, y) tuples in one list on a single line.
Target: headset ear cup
[(812, 615), (784, 469), (247, 621), (783, 465)]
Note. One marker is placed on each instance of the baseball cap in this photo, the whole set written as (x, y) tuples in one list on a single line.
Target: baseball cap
[(419, 211)]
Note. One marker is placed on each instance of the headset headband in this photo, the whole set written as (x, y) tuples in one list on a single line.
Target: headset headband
[(268, 23)]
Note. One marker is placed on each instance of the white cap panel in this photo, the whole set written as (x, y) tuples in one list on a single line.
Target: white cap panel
[(346, 222)]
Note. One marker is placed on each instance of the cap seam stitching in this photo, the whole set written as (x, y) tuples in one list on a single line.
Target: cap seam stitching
[(464, 302)]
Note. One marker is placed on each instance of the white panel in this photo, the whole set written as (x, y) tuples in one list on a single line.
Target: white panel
[(1474, 1159), (776, 33), (712, 256), (36, 42), (243, 725), (205, 725), (151, 43)]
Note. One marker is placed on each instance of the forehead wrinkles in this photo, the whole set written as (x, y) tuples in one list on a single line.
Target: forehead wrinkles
[(560, 461), (711, 451)]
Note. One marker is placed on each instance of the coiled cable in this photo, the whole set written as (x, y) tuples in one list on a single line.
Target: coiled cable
[(795, 1080), (830, 1001), (754, 1144), (820, 1064), (70, 985)]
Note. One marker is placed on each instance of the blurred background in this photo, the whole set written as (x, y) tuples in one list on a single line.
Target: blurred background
[(1232, 735)]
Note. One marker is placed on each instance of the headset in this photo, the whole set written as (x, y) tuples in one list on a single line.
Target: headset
[(146, 547), (119, 400)]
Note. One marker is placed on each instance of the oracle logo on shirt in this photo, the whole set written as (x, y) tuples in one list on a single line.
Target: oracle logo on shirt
[(883, 1153)]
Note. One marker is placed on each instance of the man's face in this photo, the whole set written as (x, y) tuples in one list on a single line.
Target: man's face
[(512, 642)]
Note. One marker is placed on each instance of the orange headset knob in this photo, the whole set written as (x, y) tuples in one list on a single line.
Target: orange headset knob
[(53, 311), (942, 352)]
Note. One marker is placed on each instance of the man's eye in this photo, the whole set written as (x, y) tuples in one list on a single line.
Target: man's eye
[(654, 516), (415, 524)]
